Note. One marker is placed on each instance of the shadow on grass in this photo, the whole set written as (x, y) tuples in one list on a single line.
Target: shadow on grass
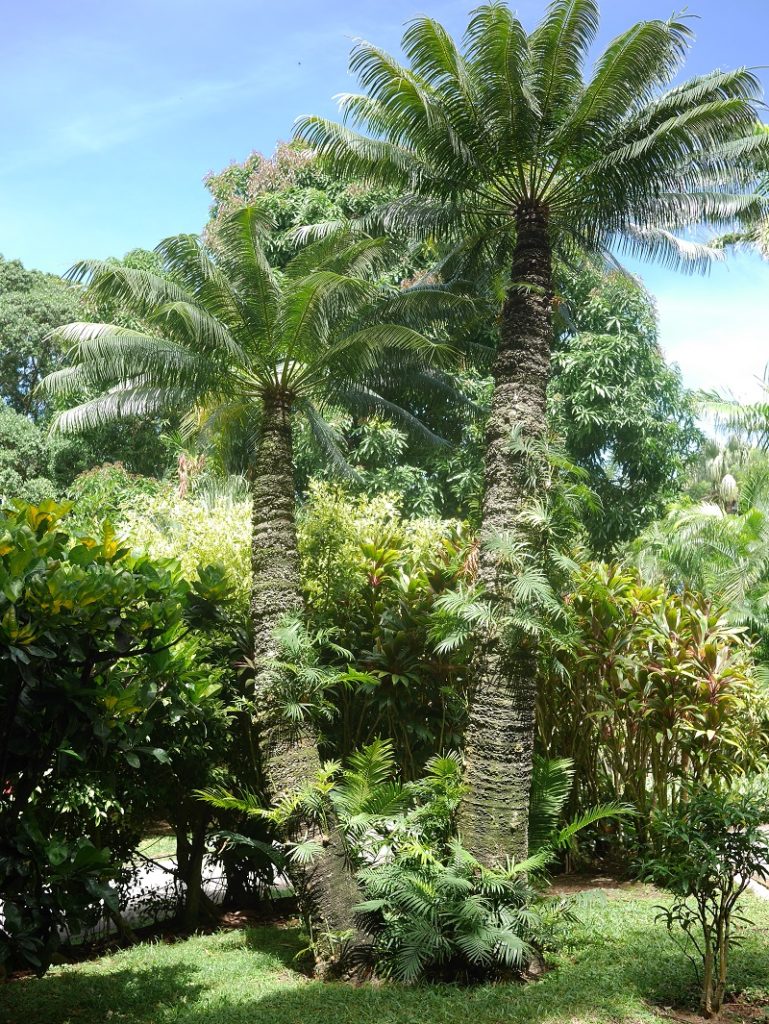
[(626, 986), (137, 993), (157, 982), (617, 973), (289, 946)]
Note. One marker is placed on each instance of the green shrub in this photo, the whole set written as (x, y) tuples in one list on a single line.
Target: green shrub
[(433, 911), (709, 847), (24, 462), (89, 687), (452, 921), (109, 492), (373, 582)]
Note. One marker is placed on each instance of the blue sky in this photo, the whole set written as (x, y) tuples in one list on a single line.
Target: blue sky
[(113, 112)]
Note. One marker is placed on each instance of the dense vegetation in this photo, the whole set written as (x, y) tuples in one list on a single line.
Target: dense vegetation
[(366, 545)]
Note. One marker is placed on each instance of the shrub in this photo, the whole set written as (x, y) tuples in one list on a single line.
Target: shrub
[(87, 676), (432, 910), (153, 517), (452, 921), (108, 492), (653, 688), (709, 848), (373, 582)]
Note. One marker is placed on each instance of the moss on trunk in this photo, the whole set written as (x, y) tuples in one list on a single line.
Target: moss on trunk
[(326, 889), (493, 816)]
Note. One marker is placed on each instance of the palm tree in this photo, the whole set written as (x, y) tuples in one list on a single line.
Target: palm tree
[(505, 153), (232, 340), (749, 421), (752, 231)]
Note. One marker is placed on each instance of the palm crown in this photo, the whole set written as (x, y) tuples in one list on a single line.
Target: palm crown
[(228, 335), (474, 135)]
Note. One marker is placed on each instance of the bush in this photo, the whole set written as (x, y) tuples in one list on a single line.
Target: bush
[(108, 492), (373, 582), (453, 921), (192, 532), (432, 910), (87, 681), (653, 688), (709, 848)]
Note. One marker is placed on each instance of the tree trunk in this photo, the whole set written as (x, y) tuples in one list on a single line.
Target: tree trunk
[(722, 952), (190, 868), (707, 980), (493, 815), (325, 888)]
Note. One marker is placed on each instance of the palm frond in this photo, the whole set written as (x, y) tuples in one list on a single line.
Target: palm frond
[(557, 51)]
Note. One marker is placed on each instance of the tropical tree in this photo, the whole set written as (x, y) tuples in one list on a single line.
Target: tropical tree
[(296, 190), (622, 412), (503, 151), (231, 342), (31, 305), (720, 549), (752, 232), (748, 420)]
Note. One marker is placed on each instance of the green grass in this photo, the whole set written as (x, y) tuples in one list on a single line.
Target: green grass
[(159, 846), (617, 966)]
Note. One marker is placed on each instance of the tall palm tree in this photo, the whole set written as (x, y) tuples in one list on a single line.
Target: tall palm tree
[(229, 335), (506, 152)]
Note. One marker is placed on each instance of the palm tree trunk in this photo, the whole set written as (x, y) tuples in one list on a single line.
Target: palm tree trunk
[(325, 888), (493, 815)]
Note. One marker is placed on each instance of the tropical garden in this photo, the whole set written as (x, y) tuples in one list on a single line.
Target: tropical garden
[(384, 626)]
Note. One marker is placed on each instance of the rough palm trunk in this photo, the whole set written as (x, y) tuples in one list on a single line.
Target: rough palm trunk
[(493, 816), (325, 888)]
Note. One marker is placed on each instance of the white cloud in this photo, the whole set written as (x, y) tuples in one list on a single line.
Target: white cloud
[(721, 342)]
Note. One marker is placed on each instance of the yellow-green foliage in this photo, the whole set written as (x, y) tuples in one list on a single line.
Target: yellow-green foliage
[(337, 532), (334, 528), (374, 581), (168, 526)]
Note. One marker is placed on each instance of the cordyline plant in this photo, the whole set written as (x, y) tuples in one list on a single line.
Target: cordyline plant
[(655, 688), (233, 342), (505, 152)]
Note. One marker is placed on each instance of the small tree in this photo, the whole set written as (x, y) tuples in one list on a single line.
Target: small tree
[(709, 849), (246, 349)]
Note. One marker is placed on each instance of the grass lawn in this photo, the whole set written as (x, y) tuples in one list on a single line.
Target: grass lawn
[(617, 966), (159, 846)]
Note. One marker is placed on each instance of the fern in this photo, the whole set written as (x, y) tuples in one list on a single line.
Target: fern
[(450, 920), (551, 785)]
